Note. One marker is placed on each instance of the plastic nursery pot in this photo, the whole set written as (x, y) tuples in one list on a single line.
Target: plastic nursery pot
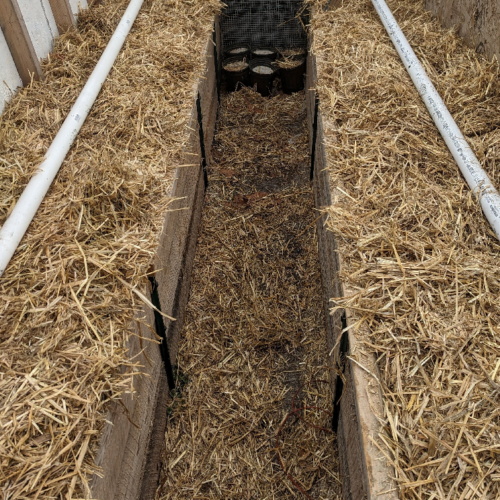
[(292, 75), (265, 53), (240, 51), (262, 74), (236, 72)]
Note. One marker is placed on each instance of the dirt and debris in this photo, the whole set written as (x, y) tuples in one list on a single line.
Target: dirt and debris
[(255, 326)]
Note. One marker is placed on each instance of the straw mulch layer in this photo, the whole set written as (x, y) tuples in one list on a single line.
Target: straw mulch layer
[(419, 262), (254, 331), (65, 300)]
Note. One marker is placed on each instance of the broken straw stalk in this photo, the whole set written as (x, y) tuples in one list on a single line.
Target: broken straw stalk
[(417, 253), (98, 225)]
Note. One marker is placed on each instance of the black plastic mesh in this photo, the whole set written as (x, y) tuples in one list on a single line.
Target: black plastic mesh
[(263, 23)]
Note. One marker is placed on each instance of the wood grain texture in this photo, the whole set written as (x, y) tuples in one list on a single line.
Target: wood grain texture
[(175, 261), (152, 466), (63, 14), (477, 22), (364, 470), (19, 42), (177, 227), (124, 442)]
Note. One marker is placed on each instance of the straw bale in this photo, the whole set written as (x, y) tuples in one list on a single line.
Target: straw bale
[(419, 260), (66, 301), (255, 328)]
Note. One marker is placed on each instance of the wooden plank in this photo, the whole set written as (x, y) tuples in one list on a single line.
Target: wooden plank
[(177, 228), (133, 443), (63, 14), (365, 472), (477, 22), (124, 441), (19, 42), (9, 76)]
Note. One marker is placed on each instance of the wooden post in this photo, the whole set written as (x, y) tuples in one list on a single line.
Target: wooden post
[(62, 14), (19, 41)]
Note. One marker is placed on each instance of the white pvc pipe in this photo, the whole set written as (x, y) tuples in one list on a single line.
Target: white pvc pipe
[(25, 209), (471, 169)]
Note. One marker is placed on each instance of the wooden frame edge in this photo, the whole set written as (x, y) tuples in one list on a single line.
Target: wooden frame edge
[(19, 41)]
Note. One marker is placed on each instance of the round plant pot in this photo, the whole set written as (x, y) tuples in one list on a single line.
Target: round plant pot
[(240, 51), (262, 74), (236, 72), (292, 76), (265, 53)]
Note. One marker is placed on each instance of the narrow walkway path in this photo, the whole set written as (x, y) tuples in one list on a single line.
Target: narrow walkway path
[(254, 330)]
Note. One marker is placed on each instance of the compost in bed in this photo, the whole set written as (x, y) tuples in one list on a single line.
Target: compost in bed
[(252, 412)]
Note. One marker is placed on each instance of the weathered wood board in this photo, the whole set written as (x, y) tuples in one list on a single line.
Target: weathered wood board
[(132, 442), (28, 29), (41, 25), (364, 470), (9, 76), (478, 22), (18, 39)]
